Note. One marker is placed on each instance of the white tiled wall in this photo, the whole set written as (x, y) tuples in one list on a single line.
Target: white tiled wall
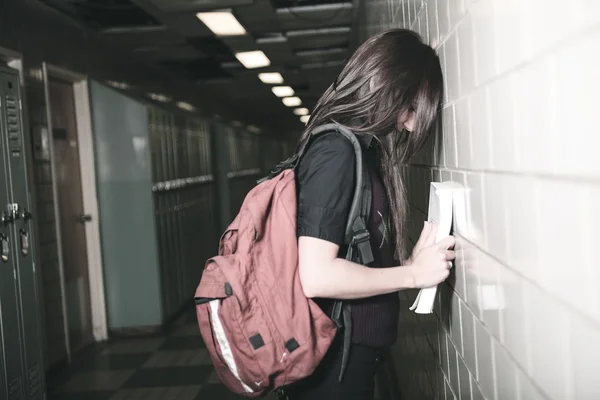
[(521, 317)]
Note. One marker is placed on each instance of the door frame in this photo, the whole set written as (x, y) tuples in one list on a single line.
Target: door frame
[(87, 166)]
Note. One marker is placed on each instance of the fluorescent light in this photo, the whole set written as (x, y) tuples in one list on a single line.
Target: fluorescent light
[(253, 59), (305, 118), (159, 97), (222, 23), (253, 129), (292, 101), (271, 77), (301, 111), (283, 91), (118, 85), (186, 106)]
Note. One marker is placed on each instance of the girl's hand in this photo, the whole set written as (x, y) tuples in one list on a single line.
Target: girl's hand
[(432, 264), (426, 239)]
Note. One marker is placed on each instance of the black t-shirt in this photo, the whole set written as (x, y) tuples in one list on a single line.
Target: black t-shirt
[(325, 185)]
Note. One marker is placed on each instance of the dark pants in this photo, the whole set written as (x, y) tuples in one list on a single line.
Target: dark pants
[(358, 382)]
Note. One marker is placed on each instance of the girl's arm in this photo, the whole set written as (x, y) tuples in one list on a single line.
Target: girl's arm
[(324, 275)]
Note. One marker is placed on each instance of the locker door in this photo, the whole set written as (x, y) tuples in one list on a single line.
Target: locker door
[(9, 293), (21, 225)]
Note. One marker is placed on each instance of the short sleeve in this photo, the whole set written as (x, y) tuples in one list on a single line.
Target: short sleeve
[(325, 185)]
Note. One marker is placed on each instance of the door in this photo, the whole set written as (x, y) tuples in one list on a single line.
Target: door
[(71, 213)]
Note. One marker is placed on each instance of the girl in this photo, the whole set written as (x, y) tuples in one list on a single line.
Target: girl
[(390, 94)]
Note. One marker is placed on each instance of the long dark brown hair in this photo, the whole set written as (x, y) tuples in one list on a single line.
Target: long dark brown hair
[(392, 72)]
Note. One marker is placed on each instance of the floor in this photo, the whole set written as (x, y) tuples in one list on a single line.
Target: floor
[(172, 366)]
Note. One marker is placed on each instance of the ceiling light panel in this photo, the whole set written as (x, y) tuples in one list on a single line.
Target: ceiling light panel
[(222, 23), (282, 91), (253, 59), (305, 118), (292, 101), (301, 111), (271, 77)]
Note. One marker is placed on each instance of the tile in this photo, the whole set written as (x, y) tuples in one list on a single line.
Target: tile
[(476, 393), (523, 230), (560, 214), (592, 272), (449, 137), (442, 57), (96, 381), (481, 156), (483, 30), (457, 11), (470, 343), (496, 223), (178, 358), (453, 73), (81, 395), (466, 44), (453, 364), (510, 40), (444, 351), (443, 12), (585, 337), (187, 330), (578, 80), (502, 120), (506, 374), (471, 266), (423, 27), (513, 333), (172, 376), (464, 390), (492, 299), (549, 369), (159, 393), (549, 27), (460, 284), (432, 23), (132, 346), (485, 360), (527, 390), (475, 209), (536, 117), (184, 343), (463, 133), (441, 384), (455, 323), (220, 392), (116, 361)]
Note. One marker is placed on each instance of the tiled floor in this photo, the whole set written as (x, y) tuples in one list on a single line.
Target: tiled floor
[(173, 366)]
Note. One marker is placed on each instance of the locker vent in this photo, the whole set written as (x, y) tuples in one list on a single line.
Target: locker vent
[(12, 116), (14, 390), (35, 389)]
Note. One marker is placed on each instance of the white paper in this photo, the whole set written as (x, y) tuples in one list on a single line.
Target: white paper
[(440, 213)]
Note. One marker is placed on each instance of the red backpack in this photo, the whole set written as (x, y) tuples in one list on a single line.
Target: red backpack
[(261, 331)]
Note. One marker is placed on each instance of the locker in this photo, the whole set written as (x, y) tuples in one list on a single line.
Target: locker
[(21, 347)]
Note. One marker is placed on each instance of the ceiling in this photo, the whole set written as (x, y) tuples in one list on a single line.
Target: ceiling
[(307, 41)]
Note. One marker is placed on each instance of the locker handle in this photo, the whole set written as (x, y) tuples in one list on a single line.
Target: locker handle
[(8, 218), (4, 247), (24, 242), (26, 215)]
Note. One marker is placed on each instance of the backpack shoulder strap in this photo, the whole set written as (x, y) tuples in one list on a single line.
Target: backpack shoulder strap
[(357, 237)]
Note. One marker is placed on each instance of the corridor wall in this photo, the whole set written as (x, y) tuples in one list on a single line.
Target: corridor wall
[(520, 317)]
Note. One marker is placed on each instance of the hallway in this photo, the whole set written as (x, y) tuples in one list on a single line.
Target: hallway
[(173, 365)]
